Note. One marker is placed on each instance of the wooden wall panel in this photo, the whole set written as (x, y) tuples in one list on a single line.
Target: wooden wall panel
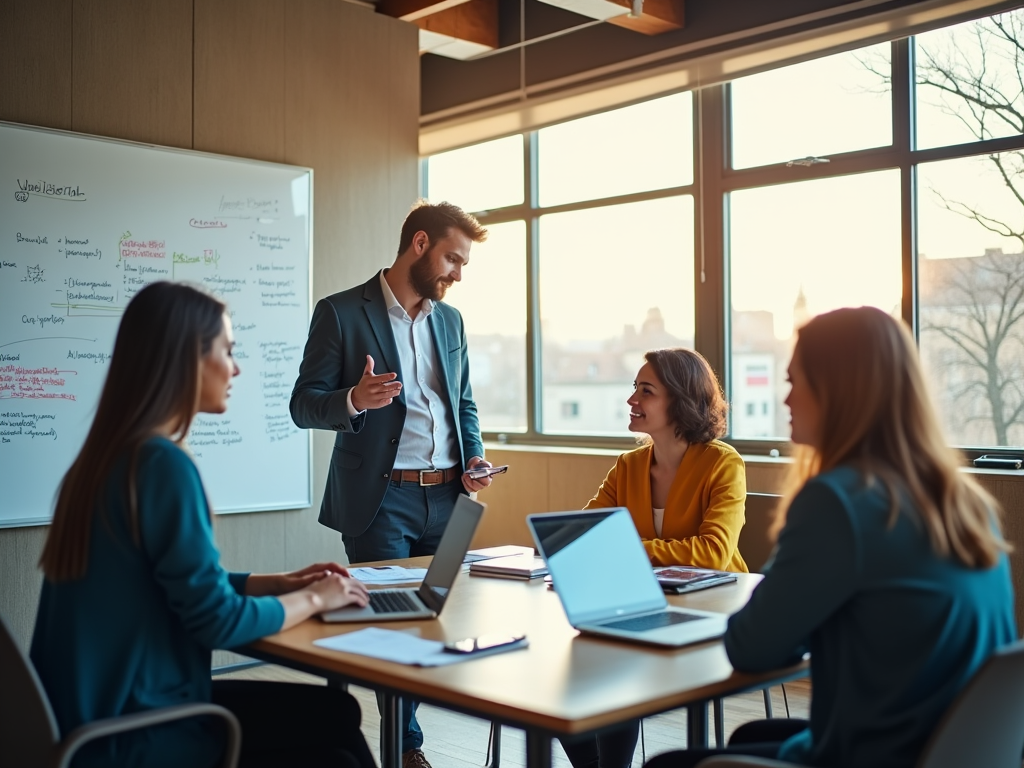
[(239, 78), (511, 497), (573, 479), (403, 145), (21, 579), (132, 64), (351, 116), (35, 62), (765, 475), (538, 480)]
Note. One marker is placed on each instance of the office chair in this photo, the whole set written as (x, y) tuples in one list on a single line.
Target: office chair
[(29, 737), (983, 726)]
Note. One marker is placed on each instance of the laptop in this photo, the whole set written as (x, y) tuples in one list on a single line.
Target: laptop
[(625, 601), (427, 600)]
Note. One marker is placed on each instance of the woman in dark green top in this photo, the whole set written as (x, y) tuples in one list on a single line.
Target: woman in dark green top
[(135, 598), (890, 568)]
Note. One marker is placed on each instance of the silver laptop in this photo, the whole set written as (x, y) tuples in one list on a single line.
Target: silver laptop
[(426, 601), (604, 579)]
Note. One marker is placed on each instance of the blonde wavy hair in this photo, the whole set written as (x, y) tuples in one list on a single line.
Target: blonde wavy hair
[(862, 368)]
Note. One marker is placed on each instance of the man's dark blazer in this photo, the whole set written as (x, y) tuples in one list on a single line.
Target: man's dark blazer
[(346, 327)]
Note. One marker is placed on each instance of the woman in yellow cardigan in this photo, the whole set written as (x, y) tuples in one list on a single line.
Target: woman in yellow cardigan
[(684, 488)]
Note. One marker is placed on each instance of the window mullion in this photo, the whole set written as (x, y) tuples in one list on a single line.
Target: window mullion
[(534, 342), (902, 74), (710, 269)]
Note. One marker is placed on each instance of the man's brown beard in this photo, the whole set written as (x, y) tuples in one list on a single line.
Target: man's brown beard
[(424, 282)]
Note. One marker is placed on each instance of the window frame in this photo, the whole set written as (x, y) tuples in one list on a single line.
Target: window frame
[(713, 181)]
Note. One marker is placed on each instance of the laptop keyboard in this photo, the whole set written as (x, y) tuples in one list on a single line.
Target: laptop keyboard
[(652, 621), (392, 602)]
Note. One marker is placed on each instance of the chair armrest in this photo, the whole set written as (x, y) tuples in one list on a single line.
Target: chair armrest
[(114, 725), (741, 761)]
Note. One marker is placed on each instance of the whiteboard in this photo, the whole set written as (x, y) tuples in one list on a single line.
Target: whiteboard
[(85, 222)]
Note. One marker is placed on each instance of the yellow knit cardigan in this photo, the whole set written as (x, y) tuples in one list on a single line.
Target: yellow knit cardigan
[(704, 512)]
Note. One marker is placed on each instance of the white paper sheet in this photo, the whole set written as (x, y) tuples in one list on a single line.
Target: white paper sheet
[(389, 645), (404, 647), (388, 574)]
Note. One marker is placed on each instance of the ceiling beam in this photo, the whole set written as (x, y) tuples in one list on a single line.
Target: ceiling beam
[(656, 17), (462, 31), (412, 10)]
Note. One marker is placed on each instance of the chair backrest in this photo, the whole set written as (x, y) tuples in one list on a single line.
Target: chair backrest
[(755, 544), (28, 729), (985, 724)]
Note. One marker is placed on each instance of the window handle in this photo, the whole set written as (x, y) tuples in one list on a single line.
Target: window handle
[(807, 162)]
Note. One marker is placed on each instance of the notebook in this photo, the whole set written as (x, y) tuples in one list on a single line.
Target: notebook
[(491, 553), (623, 601), (515, 567), (678, 579), (426, 601)]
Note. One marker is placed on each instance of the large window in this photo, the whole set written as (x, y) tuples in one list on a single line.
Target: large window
[(892, 176), (615, 281), (796, 253)]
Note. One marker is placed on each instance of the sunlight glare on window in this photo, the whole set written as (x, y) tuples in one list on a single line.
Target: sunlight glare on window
[(615, 282), (492, 300), (634, 149), (822, 107), (797, 250), (478, 178)]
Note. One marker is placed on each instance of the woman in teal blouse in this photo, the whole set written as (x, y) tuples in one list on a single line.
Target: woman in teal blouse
[(890, 568), (135, 598)]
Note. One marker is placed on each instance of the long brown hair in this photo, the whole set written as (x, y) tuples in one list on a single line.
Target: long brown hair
[(153, 380), (697, 407), (863, 370)]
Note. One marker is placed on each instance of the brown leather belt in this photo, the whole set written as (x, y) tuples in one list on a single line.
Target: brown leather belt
[(425, 476)]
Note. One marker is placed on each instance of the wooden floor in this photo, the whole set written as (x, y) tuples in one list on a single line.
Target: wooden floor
[(459, 741)]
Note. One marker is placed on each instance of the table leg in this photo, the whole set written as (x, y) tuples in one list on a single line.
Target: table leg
[(538, 749), (697, 725), (494, 747), (391, 731)]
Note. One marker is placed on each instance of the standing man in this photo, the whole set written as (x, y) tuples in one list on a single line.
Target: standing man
[(405, 437)]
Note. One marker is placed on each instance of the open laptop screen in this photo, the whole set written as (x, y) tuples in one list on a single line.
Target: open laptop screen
[(597, 564), (450, 553)]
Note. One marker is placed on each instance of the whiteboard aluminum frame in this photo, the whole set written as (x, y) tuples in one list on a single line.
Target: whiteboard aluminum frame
[(25, 522)]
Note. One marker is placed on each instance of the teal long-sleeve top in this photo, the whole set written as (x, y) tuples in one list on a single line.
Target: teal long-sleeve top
[(894, 630), (136, 633)]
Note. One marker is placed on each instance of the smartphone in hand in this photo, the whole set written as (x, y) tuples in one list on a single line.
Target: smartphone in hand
[(478, 472)]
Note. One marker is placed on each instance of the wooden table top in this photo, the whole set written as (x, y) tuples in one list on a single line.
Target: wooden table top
[(563, 683)]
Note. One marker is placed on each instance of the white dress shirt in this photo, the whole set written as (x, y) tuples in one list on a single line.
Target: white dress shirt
[(428, 438)]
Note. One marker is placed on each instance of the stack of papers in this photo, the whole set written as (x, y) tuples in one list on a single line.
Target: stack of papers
[(387, 574), (515, 567)]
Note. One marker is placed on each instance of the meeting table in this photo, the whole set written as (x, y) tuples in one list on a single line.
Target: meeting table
[(562, 684)]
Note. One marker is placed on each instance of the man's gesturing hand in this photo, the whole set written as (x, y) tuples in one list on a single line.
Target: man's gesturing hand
[(375, 391)]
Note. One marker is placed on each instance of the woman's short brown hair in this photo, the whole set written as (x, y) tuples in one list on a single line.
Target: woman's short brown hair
[(697, 407)]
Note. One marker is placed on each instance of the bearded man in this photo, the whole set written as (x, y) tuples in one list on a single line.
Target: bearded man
[(406, 437)]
